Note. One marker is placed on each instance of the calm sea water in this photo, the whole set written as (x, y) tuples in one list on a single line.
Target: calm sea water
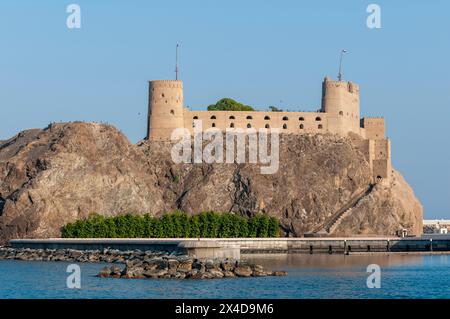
[(309, 276)]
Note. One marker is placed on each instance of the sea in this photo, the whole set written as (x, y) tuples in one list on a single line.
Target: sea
[(309, 276)]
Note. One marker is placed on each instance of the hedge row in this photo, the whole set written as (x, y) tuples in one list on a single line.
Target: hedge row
[(173, 225)]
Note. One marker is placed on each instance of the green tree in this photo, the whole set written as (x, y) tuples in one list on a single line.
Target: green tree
[(275, 109), (174, 224), (227, 104)]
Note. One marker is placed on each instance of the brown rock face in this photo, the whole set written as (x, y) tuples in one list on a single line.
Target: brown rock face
[(65, 172)]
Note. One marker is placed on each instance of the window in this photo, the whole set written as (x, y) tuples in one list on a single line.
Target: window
[(301, 118), (341, 113), (318, 119), (249, 125), (249, 117), (231, 117), (285, 118), (213, 117), (301, 126), (267, 126), (195, 118), (231, 124), (162, 94), (284, 126), (172, 112), (320, 126), (267, 117), (213, 124)]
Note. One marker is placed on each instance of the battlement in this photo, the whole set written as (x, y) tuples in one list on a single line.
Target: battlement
[(348, 87), (175, 84)]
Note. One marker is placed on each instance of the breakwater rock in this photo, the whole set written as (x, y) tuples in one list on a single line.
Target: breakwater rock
[(93, 256), (183, 267), (144, 264)]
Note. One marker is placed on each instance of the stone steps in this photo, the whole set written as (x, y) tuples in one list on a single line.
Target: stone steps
[(332, 223)]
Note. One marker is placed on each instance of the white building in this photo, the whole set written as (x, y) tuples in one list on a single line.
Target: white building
[(436, 226)]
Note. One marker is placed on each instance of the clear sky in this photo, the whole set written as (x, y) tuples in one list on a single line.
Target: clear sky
[(259, 52)]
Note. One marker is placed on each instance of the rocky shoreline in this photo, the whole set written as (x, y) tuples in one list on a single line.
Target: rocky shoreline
[(144, 264)]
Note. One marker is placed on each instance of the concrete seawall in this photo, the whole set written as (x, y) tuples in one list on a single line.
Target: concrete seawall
[(235, 246)]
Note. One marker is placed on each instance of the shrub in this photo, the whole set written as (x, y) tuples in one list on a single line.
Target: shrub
[(176, 224)]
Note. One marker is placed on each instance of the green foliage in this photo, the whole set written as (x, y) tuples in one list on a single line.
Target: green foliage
[(275, 109), (176, 224), (227, 104)]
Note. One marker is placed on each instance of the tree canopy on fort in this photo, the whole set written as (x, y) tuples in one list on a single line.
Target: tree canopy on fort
[(227, 104), (275, 109)]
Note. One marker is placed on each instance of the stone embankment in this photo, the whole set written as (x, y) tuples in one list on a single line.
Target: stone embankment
[(144, 264)]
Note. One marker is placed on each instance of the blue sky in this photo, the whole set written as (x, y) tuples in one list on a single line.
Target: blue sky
[(259, 52)]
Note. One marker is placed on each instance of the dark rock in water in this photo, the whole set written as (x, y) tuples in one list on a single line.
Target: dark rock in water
[(185, 265), (227, 265), (146, 264), (243, 271), (279, 273), (105, 272), (132, 272), (228, 274), (172, 264)]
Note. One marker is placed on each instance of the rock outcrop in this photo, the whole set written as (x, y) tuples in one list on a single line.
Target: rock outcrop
[(66, 171)]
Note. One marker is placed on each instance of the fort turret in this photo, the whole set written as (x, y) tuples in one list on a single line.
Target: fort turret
[(340, 100), (165, 108)]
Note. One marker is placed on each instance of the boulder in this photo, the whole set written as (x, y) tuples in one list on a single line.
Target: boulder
[(243, 271), (104, 272)]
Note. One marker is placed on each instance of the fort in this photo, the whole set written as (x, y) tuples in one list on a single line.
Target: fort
[(339, 114)]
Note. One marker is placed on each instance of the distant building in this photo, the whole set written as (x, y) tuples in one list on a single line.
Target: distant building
[(436, 226), (339, 114)]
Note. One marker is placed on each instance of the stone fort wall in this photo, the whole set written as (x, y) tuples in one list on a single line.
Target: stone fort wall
[(339, 114)]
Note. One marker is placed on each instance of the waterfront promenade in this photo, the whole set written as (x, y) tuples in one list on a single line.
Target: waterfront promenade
[(233, 247)]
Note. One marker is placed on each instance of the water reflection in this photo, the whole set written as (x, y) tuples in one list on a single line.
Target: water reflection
[(325, 261)]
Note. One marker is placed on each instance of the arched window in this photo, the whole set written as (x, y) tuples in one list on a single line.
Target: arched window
[(249, 117), (249, 125), (301, 126), (320, 126), (267, 126), (231, 117), (301, 118), (318, 119), (284, 126), (172, 112), (213, 124), (213, 117), (341, 113), (267, 117), (162, 94), (231, 124), (195, 117), (285, 118)]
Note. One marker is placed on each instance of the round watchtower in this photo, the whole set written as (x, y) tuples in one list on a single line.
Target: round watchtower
[(165, 108), (340, 100)]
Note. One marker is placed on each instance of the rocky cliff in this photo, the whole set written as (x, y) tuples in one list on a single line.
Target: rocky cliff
[(64, 172)]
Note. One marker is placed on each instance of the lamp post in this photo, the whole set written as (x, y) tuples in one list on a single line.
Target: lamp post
[(340, 65)]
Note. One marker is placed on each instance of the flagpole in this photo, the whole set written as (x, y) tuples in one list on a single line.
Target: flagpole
[(340, 65)]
